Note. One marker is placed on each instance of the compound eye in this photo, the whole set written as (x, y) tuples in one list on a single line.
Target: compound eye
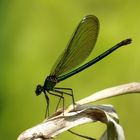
[(38, 90)]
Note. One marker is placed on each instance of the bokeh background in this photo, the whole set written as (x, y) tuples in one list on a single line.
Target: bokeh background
[(32, 36)]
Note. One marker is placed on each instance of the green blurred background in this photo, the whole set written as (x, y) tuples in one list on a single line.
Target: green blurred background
[(33, 34)]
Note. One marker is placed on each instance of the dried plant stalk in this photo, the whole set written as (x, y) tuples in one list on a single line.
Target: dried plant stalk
[(83, 113)]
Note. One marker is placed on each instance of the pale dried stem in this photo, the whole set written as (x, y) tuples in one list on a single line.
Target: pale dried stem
[(59, 123), (109, 92)]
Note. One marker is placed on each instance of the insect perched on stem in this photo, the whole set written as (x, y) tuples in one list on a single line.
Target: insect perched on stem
[(78, 49)]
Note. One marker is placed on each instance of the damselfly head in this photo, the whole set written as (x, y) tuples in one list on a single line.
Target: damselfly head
[(38, 90)]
